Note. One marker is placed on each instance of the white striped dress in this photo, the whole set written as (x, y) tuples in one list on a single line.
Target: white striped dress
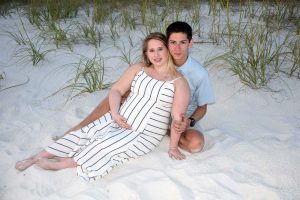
[(102, 145)]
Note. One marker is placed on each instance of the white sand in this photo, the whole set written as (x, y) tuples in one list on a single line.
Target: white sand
[(252, 138)]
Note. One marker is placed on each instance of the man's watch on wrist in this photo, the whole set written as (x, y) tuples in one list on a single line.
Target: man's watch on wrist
[(193, 122)]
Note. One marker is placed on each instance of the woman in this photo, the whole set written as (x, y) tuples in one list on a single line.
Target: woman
[(129, 130)]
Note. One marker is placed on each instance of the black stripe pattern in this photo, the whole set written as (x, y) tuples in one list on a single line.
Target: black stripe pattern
[(102, 145)]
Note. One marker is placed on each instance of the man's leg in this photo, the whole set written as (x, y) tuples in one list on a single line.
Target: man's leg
[(99, 111), (192, 141)]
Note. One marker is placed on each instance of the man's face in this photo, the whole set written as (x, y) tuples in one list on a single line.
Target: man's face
[(179, 47)]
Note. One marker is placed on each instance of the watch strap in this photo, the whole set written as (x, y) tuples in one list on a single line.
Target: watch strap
[(193, 122)]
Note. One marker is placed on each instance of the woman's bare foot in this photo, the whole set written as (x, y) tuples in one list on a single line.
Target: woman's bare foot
[(24, 164), (47, 164)]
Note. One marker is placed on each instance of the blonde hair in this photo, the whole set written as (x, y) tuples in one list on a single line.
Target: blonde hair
[(160, 37)]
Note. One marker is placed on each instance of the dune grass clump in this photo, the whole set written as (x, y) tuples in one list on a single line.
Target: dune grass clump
[(255, 56), (59, 36), (293, 58), (33, 51), (56, 9), (127, 54), (128, 19), (29, 48), (114, 27), (89, 32), (6, 8), (278, 14), (89, 77)]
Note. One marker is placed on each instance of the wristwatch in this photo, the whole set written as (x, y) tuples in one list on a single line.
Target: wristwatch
[(193, 122)]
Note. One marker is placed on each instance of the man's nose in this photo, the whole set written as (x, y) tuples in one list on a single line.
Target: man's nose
[(177, 46)]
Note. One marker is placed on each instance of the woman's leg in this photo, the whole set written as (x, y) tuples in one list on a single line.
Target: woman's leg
[(58, 164), (24, 164)]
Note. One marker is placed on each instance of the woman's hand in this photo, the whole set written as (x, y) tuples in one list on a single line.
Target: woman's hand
[(120, 120), (175, 153)]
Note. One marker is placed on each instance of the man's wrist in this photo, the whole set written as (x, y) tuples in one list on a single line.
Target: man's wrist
[(192, 121)]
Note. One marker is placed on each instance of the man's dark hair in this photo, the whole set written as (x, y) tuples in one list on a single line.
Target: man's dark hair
[(180, 27)]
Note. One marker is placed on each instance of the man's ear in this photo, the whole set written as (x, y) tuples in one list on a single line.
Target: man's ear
[(191, 43)]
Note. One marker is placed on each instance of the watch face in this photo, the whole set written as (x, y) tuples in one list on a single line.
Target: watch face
[(193, 122)]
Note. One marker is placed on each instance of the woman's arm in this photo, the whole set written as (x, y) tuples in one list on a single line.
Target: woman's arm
[(180, 103), (102, 108), (119, 89)]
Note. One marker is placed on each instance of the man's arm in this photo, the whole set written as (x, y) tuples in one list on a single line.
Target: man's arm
[(185, 123), (199, 113)]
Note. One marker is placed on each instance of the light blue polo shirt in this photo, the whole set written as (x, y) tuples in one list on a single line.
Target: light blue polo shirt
[(200, 85)]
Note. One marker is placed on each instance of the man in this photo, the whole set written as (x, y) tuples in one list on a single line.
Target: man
[(179, 36)]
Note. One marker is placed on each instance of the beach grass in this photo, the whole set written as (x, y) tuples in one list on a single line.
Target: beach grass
[(30, 47), (89, 32), (258, 36), (89, 77)]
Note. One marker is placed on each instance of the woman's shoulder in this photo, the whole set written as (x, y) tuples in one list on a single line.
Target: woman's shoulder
[(135, 68), (181, 81), (138, 66)]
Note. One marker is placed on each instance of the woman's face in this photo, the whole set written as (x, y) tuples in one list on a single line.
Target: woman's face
[(157, 52)]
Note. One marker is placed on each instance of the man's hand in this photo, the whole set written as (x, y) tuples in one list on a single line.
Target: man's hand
[(181, 126)]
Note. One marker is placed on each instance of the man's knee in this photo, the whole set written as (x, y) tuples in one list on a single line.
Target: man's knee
[(195, 141), (196, 146)]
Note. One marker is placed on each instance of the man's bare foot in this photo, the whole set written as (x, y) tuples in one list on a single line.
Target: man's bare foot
[(24, 164)]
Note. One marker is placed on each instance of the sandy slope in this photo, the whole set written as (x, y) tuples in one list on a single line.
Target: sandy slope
[(252, 140)]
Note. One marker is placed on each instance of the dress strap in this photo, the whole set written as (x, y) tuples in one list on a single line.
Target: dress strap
[(176, 79)]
